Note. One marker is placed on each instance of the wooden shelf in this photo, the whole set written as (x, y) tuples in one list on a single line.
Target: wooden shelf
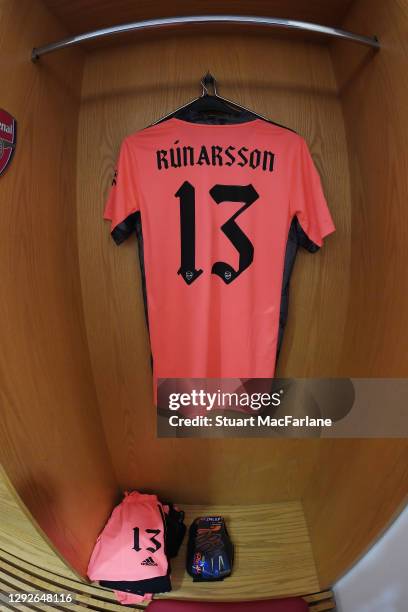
[(273, 555), (273, 558)]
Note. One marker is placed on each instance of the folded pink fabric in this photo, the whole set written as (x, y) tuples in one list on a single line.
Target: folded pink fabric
[(129, 598), (131, 545)]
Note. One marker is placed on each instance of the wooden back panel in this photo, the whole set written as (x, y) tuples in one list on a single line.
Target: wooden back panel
[(125, 89), (52, 444)]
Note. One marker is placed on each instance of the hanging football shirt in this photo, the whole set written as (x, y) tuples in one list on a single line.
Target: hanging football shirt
[(213, 206)]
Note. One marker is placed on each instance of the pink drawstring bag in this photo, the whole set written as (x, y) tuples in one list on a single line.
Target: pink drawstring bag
[(131, 545)]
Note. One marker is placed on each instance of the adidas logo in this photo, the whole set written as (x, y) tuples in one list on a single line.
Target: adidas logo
[(149, 561)]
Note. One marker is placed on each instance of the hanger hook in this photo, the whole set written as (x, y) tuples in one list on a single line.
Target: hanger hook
[(208, 79), (204, 91)]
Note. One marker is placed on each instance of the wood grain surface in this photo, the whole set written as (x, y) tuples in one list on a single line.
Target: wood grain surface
[(21, 538), (84, 15), (358, 486), (374, 96), (125, 89), (273, 556), (51, 440)]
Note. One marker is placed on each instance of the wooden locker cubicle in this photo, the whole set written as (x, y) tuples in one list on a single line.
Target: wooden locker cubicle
[(79, 424)]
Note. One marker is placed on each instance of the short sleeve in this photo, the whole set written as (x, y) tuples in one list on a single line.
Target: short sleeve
[(122, 205), (307, 200)]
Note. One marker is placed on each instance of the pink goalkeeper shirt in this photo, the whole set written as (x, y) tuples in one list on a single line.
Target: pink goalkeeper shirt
[(215, 204)]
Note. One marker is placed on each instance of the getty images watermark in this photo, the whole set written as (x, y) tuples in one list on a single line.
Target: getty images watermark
[(187, 404), (282, 407)]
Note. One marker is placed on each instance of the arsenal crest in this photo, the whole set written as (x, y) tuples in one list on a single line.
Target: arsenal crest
[(8, 132)]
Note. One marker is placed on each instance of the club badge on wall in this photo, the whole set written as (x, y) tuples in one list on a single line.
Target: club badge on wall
[(8, 133)]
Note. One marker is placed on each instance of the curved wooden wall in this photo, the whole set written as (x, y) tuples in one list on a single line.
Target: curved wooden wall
[(356, 488), (374, 97), (51, 441), (359, 485), (124, 89)]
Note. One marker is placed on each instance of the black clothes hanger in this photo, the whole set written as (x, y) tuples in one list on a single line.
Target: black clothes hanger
[(212, 108)]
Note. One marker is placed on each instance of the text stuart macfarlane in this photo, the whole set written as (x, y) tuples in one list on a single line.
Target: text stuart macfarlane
[(250, 421)]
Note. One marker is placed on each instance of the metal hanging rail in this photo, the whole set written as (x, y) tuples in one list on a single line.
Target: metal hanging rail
[(370, 41)]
